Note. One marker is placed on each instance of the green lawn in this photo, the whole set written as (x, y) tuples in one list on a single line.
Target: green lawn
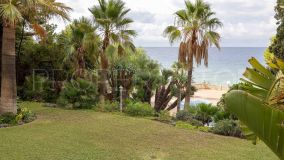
[(86, 135)]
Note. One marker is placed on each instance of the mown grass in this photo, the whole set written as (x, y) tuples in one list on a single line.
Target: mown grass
[(87, 135)]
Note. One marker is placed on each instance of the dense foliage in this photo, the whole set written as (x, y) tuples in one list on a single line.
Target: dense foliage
[(37, 88), (78, 94), (227, 128), (139, 109), (206, 115), (277, 47)]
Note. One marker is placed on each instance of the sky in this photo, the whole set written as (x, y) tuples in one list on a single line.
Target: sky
[(247, 23)]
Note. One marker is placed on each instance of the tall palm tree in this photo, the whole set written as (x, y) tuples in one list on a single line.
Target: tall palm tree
[(80, 40), (12, 12), (195, 29), (110, 17)]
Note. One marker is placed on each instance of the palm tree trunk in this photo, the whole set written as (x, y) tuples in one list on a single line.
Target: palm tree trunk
[(190, 69), (179, 99), (8, 80), (1, 40), (81, 63), (189, 80), (103, 71), (103, 79)]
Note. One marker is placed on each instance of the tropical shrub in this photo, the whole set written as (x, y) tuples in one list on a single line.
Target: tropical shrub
[(195, 122), (205, 113), (227, 128), (23, 116), (78, 94), (108, 106), (222, 115), (139, 109), (8, 118), (164, 116), (183, 115), (188, 117)]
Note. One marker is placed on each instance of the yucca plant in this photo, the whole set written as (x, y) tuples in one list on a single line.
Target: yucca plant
[(258, 104)]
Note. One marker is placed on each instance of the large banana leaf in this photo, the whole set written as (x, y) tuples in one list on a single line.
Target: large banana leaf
[(256, 91), (264, 120), (260, 68), (259, 79)]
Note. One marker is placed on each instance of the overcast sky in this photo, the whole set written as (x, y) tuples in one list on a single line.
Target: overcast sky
[(246, 22)]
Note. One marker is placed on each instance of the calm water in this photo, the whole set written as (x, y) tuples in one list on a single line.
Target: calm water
[(225, 66)]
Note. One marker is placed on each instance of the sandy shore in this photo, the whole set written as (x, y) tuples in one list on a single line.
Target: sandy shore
[(208, 93)]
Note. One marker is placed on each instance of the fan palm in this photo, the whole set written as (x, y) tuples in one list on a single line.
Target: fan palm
[(79, 40), (12, 12), (110, 17), (195, 29)]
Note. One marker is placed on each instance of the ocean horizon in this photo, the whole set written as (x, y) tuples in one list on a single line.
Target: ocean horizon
[(225, 66)]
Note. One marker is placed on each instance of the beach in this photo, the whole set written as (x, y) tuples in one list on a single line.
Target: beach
[(209, 93), (206, 93)]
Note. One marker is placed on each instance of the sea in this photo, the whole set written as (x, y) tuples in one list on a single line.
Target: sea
[(225, 66)]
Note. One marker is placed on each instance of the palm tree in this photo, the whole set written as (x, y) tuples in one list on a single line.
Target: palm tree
[(12, 13), (195, 29), (180, 79), (79, 40), (110, 17)]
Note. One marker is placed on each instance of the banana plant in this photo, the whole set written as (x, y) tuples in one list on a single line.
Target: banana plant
[(266, 121), (259, 105)]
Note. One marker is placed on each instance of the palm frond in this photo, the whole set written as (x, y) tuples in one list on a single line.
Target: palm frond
[(213, 37), (110, 17), (173, 33), (124, 22), (39, 30), (181, 15), (195, 27), (56, 9), (10, 13)]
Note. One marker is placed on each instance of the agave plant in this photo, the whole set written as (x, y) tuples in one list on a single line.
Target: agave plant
[(259, 105)]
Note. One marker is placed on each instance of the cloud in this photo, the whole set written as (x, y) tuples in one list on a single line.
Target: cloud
[(246, 23), (142, 16)]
